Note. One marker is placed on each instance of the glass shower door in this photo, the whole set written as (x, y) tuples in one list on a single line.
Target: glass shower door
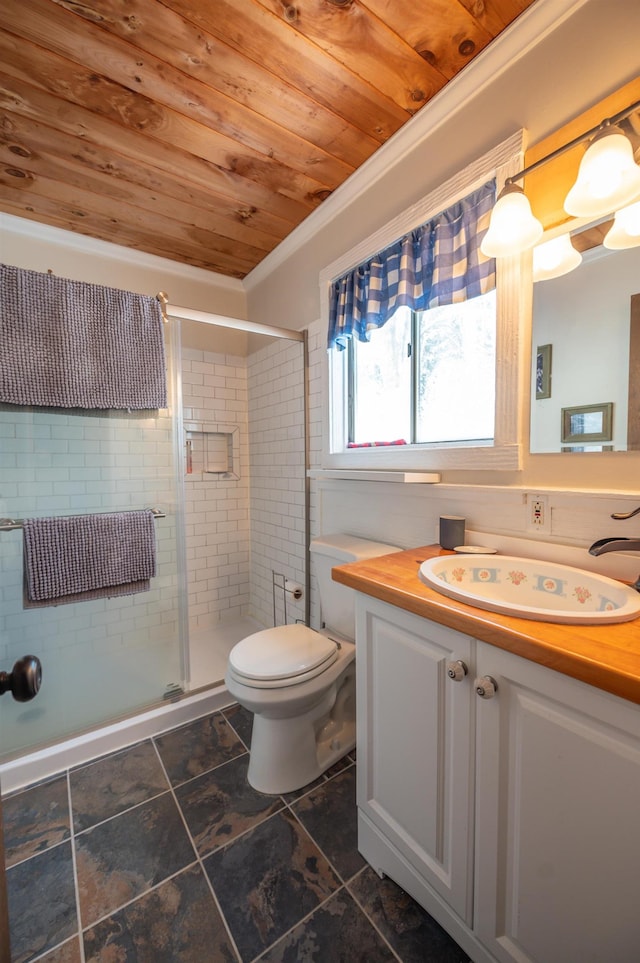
[(105, 658)]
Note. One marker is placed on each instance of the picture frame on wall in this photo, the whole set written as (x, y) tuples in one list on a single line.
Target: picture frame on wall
[(587, 423), (543, 371)]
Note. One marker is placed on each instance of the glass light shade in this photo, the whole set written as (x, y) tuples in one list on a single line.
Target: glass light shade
[(625, 230), (555, 258), (513, 228), (608, 177)]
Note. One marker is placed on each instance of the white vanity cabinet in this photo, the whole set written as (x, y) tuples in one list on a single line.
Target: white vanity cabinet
[(513, 819)]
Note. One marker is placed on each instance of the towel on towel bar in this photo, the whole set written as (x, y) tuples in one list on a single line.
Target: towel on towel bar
[(78, 557), (68, 344)]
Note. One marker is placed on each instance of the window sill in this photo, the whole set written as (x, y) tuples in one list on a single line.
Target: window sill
[(363, 474)]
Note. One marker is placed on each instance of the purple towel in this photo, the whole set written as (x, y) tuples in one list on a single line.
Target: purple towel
[(68, 344), (79, 557)]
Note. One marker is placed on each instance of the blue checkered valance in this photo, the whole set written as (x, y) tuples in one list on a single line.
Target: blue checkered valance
[(438, 263)]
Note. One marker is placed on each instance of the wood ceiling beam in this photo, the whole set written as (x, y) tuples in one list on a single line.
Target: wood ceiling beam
[(153, 29), (260, 36), (89, 213), (358, 40), (23, 136), (18, 96)]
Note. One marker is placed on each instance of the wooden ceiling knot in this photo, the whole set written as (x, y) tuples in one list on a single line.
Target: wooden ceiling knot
[(247, 213), (19, 150), (429, 56), (14, 172), (340, 3), (418, 95), (478, 8), (290, 13), (466, 48)]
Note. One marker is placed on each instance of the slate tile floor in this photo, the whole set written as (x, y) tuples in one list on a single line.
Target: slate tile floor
[(163, 853)]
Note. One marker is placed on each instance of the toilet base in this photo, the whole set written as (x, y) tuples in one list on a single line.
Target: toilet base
[(287, 754), (300, 757)]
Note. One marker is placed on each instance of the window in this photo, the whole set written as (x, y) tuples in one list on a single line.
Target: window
[(443, 411), (425, 377)]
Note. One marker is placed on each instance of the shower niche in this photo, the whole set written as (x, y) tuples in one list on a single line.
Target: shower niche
[(211, 451)]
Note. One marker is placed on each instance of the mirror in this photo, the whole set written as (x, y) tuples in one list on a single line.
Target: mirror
[(586, 352)]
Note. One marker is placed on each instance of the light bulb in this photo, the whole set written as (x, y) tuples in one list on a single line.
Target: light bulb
[(513, 227), (555, 258), (629, 219), (625, 230), (608, 177)]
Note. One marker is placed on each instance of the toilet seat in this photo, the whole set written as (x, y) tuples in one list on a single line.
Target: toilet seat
[(283, 656)]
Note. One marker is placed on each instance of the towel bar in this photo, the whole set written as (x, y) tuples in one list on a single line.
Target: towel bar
[(10, 524)]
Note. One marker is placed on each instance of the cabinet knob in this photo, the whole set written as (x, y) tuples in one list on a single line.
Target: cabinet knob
[(486, 686), (456, 670)]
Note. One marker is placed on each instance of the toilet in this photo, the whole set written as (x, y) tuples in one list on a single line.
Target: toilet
[(299, 683)]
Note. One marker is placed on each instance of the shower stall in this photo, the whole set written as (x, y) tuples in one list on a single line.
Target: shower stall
[(224, 466)]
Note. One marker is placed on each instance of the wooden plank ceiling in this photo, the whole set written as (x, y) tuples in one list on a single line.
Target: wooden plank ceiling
[(206, 130)]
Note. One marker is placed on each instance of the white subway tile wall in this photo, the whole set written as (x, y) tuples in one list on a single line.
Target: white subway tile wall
[(276, 445), (214, 390), (239, 531)]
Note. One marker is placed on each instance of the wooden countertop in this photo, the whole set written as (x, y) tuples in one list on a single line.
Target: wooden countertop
[(605, 656)]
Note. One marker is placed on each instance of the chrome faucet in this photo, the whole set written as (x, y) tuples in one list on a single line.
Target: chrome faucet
[(617, 544)]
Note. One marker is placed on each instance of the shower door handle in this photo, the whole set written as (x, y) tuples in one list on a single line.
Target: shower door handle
[(24, 679)]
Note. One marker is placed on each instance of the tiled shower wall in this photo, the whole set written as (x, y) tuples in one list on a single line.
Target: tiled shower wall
[(241, 530), (276, 445), (214, 391)]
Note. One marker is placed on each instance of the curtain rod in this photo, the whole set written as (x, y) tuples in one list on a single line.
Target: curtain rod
[(10, 524), (204, 317)]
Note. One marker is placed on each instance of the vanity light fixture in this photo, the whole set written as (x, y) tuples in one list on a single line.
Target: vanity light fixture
[(608, 179), (625, 230), (555, 258)]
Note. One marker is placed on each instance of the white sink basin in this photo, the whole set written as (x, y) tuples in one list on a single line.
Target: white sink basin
[(530, 589)]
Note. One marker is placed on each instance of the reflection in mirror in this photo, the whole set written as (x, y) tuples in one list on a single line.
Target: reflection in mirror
[(586, 352)]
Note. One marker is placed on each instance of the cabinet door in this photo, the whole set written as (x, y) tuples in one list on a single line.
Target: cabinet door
[(414, 735), (558, 809)]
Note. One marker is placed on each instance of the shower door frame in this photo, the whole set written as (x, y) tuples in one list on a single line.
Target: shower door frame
[(172, 311)]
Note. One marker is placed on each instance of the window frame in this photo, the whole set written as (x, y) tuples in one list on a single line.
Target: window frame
[(513, 317)]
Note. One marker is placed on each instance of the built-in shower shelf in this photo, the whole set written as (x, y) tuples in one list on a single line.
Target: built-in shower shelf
[(211, 451)]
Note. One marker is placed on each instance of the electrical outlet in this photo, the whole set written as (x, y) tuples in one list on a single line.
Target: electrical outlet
[(538, 513)]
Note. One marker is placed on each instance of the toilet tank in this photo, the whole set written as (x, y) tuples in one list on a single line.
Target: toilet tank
[(337, 602)]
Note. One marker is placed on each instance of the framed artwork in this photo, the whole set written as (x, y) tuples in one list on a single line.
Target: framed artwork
[(543, 371), (586, 424)]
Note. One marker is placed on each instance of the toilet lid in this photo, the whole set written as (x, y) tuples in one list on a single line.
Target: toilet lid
[(282, 653)]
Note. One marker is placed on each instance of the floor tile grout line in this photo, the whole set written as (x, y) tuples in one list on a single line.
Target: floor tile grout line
[(74, 864), (135, 899), (229, 723), (205, 772), (371, 920), (301, 922), (199, 859), (40, 852), (345, 882), (123, 812)]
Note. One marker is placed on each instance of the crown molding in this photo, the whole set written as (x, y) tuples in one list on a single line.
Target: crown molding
[(10, 224), (530, 28)]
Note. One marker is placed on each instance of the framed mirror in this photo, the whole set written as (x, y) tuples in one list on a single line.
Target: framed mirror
[(586, 352)]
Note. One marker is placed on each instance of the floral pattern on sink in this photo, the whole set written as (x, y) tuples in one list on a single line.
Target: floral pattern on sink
[(530, 588)]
